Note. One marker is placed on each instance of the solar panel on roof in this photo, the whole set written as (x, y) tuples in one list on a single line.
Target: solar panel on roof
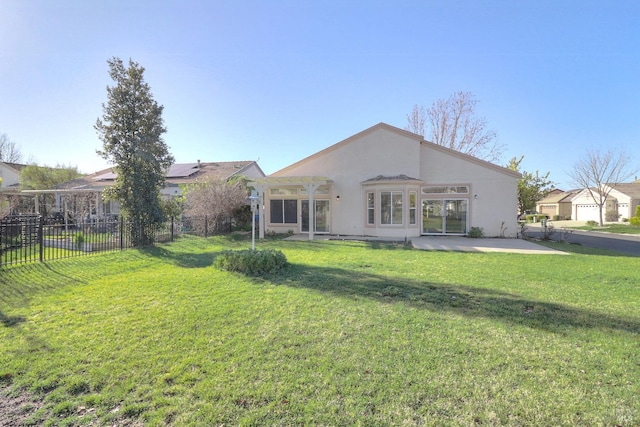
[(182, 170)]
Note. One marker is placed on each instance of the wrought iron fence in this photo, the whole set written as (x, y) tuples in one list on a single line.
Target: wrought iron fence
[(33, 238)]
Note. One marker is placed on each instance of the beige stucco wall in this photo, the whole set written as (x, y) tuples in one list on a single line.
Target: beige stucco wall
[(392, 152), (493, 199)]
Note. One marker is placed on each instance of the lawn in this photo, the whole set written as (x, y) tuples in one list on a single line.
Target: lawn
[(618, 228), (353, 333)]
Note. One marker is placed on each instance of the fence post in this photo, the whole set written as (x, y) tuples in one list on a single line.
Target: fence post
[(41, 237), (172, 218), (121, 231)]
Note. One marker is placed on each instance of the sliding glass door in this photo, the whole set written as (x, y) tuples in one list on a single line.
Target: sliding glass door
[(444, 216), (321, 216)]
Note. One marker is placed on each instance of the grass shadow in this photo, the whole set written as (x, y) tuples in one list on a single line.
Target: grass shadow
[(181, 259), (8, 321), (463, 300)]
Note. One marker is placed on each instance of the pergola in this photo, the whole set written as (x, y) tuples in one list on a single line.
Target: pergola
[(310, 183)]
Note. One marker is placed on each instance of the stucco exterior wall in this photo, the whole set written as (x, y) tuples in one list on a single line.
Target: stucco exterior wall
[(382, 150), (352, 162), (493, 194)]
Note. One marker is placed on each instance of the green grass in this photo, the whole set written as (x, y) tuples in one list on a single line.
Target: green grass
[(353, 333), (611, 228)]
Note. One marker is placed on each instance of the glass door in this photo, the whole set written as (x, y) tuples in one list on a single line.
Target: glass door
[(432, 218), (321, 216), (444, 216), (456, 217)]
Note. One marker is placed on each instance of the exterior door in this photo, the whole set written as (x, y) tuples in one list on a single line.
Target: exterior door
[(447, 216), (432, 217), (321, 216)]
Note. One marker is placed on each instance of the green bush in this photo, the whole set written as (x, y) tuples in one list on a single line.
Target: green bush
[(635, 221), (476, 232), (592, 223), (556, 217), (535, 217), (251, 262)]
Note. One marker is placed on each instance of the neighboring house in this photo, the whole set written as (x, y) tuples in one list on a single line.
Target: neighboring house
[(557, 204), (10, 174), (622, 198), (89, 188), (388, 182)]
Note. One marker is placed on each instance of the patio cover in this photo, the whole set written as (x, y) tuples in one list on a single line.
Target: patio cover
[(310, 183)]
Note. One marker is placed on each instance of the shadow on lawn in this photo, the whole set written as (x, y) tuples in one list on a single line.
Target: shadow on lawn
[(181, 259), (460, 299)]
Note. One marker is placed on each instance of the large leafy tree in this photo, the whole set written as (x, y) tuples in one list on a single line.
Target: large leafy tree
[(131, 131), (34, 177), (453, 123), (532, 186)]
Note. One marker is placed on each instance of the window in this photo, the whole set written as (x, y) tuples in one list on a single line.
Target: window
[(371, 208), (283, 211), (283, 191), (444, 189), (412, 207), (391, 207), (323, 189)]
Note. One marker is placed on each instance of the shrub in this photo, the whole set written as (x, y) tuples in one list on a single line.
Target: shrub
[(251, 262), (556, 217), (635, 221), (476, 232), (535, 217), (592, 223), (611, 216)]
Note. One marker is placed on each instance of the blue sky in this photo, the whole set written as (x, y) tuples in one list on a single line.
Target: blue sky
[(276, 81)]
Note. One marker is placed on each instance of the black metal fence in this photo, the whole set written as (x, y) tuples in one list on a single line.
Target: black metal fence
[(32, 238)]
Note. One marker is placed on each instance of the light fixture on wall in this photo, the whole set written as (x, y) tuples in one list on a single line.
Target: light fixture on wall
[(475, 196), (338, 197)]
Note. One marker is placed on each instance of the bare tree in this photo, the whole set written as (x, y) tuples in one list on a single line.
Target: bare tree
[(215, 199), (597, 171), (453, 124), (9, 151)]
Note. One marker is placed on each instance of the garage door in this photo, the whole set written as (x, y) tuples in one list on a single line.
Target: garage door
[(549, 210), (587, 212)]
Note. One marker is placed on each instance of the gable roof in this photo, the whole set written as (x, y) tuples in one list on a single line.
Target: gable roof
[(417, 138), (631, 189), (178, 173), (558, 197)]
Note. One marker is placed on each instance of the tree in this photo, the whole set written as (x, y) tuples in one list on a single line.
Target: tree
[(9, 151), (215, 199), (532, 187), (34, 177), (597, 171), (131, 131), (453, 124)]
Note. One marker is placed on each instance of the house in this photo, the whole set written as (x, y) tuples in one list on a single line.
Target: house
[(388, 182), (621, 199), (87, 190), (10, 176), (557, 204)]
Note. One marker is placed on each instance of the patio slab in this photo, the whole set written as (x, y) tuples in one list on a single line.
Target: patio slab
[(452, 243)]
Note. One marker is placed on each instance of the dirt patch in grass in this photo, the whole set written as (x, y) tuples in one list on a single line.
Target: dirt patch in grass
[(17, 408)]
